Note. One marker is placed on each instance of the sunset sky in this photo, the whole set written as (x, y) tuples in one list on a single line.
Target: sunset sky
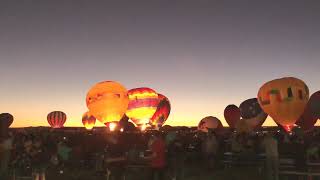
[(203, 55)]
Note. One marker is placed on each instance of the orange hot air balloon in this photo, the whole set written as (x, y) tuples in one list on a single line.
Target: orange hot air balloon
[(56, 119), (88, 121), (143, 104), (209, 122), (163, 111), (284, 100), (107, 101)]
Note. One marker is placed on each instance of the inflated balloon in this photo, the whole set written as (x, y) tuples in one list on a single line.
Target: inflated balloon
[(56, 119), (88, 121), (143, 104), (307, 120), (284, 100), (232, 115), (252, 113), (107, 101), (163, 111), (209, 122), (314, 104), (311, 113), (6, 119)]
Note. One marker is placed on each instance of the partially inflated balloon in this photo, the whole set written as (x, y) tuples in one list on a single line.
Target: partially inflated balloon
[(284, 100), (143, 104), (88, 121), (107, 101), (56, 119), (252, 113), (232, 115), (162, 112), (209, 122)]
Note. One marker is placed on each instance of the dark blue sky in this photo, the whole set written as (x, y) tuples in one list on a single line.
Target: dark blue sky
[(203, 55)]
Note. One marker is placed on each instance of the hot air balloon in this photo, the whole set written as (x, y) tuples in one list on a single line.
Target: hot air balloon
[(209, 122), (252, 113), (143, 104), (162, 112), (284, 100), (56, 119), (6, 120), (314, 104), (232, 115), (107, 101), (88, 121), (311, 113)]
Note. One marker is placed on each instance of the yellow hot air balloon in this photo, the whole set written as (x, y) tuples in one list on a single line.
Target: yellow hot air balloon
[(143, 104), (284, 100), (107, 101)]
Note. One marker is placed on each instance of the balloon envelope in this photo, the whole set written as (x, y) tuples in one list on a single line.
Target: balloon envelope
[(6, 119), (314, 104), (232, 115), (284, 99), (209, 122), (142, 105), (88, 121), (163, 111), (251, 112), (107, 101), (56, 119), (310, 116)]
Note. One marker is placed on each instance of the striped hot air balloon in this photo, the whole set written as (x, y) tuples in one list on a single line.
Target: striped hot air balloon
[(163, 111), (143, 104), (88, 121), (56, 119)]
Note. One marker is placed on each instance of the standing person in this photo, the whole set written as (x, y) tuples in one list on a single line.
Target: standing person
[(272, 157), (158, 157), (5, 152), (210, 149)]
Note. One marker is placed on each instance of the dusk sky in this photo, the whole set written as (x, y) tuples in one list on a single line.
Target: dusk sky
[(203, 55)]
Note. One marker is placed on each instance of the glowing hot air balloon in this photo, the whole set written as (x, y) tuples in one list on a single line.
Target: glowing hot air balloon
[(252, 113), (284, 100), (232, 115), (162, 112), (107, 101), (209, 122), (56, 119), (88, 121), (143, 104)]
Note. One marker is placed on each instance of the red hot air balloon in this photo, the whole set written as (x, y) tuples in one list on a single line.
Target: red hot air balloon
[(314, 104), (232, 115), (163, 111), (56, 119), (311, 113), (88, 121), (143, 104)]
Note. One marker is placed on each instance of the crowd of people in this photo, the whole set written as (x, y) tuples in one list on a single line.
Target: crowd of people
[(150, 154)]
